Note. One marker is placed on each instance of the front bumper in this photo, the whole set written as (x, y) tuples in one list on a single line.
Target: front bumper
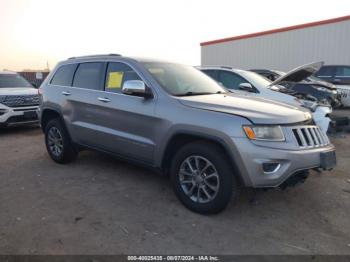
[(252, 157), (12, 116)]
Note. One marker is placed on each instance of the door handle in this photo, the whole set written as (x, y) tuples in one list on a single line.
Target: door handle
[(103, 99), (66, 93)]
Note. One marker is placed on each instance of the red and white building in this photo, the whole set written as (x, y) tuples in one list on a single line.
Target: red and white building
[(283, 48)]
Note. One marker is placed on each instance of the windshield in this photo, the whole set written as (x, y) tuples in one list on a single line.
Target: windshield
[(183, 80), (13, 80), (255, 79)]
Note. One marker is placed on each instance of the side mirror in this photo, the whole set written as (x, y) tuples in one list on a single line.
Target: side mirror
[(136, 88), (246, 87)]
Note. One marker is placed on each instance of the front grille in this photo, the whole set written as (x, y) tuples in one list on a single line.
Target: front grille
[(20, 101), (310, 136)]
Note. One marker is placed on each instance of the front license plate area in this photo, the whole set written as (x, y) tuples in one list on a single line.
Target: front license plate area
[(30, 115), (328, 160)]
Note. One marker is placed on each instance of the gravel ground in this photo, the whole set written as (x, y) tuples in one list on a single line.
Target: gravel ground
[(100, 205)]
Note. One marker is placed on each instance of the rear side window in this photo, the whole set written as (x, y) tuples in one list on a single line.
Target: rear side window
[(326, 71), (89, 76), (231, 80), (117, 74), (343, 71), (64, 75)]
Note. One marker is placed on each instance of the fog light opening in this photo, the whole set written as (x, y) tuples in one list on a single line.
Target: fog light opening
[(270, 167), (2, 111)]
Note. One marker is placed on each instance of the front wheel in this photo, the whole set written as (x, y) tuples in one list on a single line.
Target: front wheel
[(202, 177)]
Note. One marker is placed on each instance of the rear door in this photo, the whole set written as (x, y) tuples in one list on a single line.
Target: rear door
[(83, 110), (58, 85), (129, 122)]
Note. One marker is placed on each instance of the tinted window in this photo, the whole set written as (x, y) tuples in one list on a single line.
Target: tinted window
[(64, 75), (117, 74), (325, 71), (89, 76), (13, 80), (343, 71), (231, 80), (212, 73)]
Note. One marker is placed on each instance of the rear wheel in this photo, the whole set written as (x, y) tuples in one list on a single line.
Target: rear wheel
[(58, 143), (202, 177)]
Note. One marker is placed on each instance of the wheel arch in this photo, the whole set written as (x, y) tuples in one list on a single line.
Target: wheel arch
[(49, 114), (180, 139)]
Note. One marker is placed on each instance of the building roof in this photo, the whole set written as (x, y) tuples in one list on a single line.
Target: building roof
[(6, 72), (278, 30)]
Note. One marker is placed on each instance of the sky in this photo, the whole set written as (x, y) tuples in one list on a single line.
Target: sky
[(34, 32)]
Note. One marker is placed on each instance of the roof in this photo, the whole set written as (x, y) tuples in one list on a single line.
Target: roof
[(94, 56), (278, 30), (115, 56)]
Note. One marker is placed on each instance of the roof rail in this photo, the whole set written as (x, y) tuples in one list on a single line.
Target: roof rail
[(92, 56), (227, 67)]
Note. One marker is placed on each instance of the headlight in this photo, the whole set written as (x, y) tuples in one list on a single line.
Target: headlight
[(268, 133)]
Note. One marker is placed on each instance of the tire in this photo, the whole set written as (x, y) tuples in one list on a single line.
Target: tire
[(67, 153), (186, 186)]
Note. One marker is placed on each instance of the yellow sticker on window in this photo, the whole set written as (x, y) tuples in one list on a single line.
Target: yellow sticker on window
[(115, 79)]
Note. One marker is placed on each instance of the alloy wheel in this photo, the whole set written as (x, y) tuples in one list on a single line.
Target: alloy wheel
[(55, 141), (199, 179)]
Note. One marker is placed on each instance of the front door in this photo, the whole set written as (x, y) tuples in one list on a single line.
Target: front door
[(129, 122)]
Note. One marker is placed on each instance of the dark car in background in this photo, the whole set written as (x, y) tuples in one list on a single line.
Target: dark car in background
[(338, 75), (311, 86)]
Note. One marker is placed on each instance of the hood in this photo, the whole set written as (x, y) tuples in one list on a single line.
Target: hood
[(10, 91), (257, 110), (299, 74)]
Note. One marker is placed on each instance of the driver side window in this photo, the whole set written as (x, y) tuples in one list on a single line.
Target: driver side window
[(231, 80), (117, 74)]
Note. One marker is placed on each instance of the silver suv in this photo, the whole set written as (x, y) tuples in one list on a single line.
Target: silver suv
[(174, 118)]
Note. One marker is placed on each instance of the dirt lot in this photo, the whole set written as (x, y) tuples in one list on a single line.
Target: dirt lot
[(99, 205)]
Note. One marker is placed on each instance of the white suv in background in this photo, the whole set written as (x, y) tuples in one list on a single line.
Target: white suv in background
[(252, 84), (19, 100)]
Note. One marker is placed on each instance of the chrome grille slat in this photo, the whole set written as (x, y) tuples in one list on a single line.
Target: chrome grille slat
[(309, 136), (317, 142), (20, 100), (301, 136), (311, 142), (321, 137)]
